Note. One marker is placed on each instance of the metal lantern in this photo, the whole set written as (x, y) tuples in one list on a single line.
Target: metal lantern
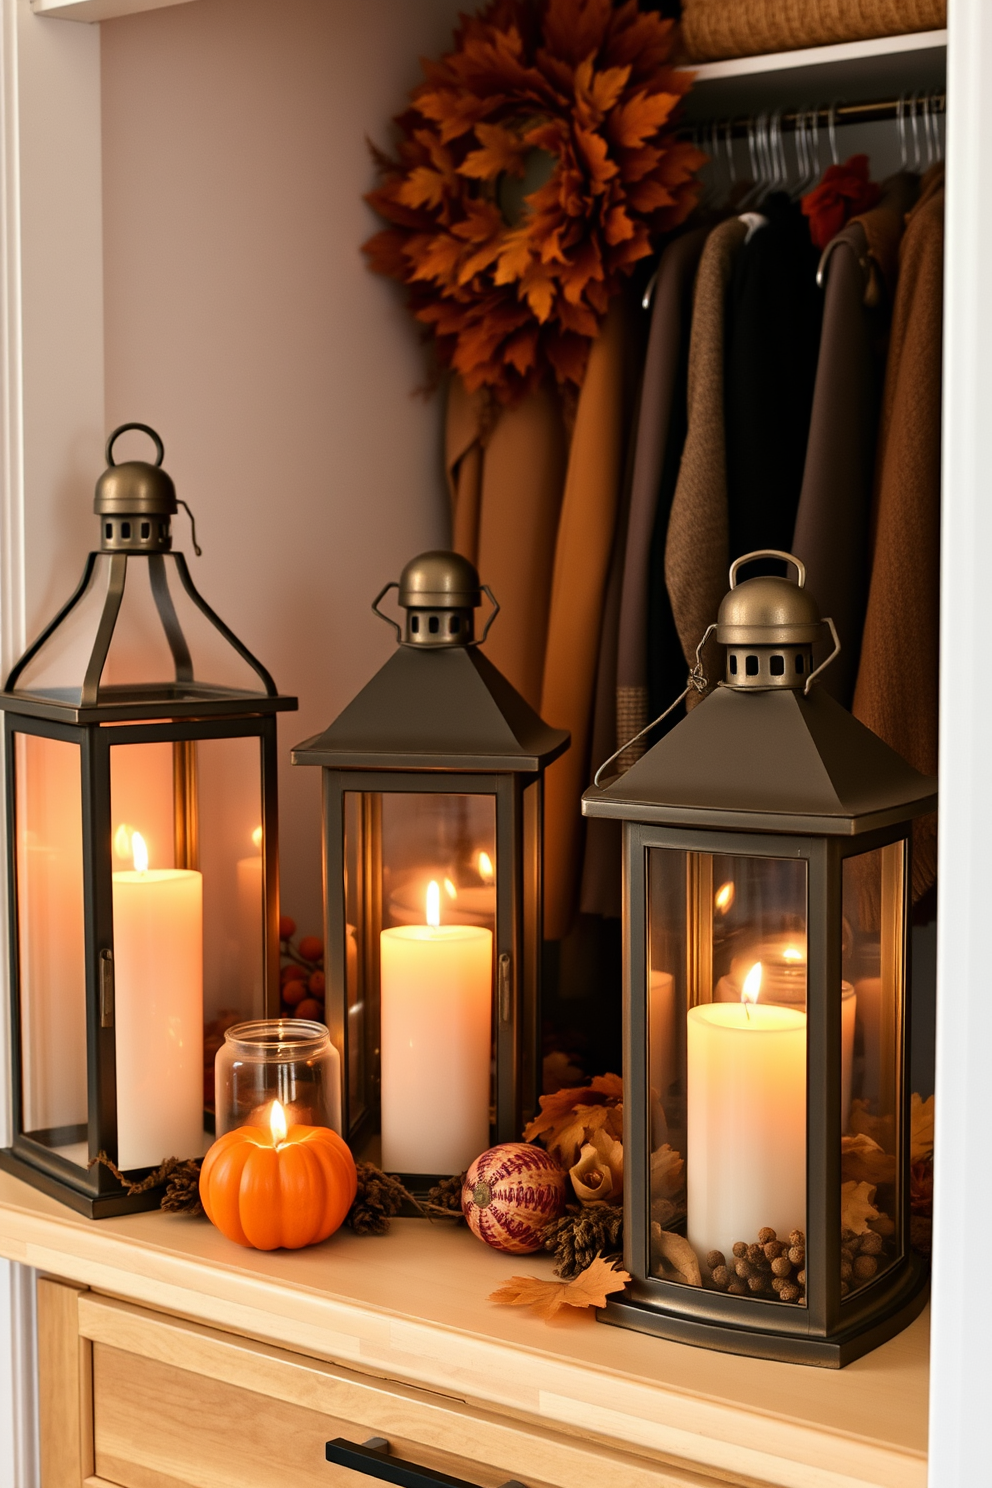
[(433, 808), (142, 856), (766, 861)]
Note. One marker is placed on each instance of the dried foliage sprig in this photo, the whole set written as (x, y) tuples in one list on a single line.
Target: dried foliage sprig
[(580, 87)]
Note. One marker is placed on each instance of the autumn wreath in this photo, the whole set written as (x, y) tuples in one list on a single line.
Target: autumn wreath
[(534, 170)]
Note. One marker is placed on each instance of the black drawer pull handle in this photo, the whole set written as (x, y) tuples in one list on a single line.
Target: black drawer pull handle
[(372, 1458)]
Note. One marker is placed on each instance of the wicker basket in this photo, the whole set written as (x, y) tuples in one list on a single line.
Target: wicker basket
[(743, 28)]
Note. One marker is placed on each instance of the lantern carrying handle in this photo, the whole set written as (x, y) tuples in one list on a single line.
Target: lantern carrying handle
[(495, 611), (832, 657), (797, 563), (376, 610), (697, 682), (142, 429)]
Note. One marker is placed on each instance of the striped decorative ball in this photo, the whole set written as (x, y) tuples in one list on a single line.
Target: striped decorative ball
[(510, 1193)]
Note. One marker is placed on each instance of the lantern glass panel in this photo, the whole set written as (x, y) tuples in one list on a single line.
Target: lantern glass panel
[(873, 952), (726, 1050), (48, 831), (188, 906), (140, 653), (420, 904)]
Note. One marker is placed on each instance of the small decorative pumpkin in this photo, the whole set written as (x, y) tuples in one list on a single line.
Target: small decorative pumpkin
[(510, 1193), (282, 1187)]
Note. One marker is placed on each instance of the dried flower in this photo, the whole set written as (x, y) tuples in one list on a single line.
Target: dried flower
[(597, 1177)]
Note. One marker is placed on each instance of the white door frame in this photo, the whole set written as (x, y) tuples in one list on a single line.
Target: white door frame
[(51, 407)]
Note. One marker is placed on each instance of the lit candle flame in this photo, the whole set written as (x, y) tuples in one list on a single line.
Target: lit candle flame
[(725, 897), (433, 904), (277, 1123), (751, 989), (139, 852), (793, 953), (485, 864), (256, 837), (122, 841), (450, 889)]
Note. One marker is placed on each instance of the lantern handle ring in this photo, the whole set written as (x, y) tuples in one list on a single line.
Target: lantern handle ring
[(143, 429), (495, 611), (797, 563), (376, 610), (697, 682), (832, 657)]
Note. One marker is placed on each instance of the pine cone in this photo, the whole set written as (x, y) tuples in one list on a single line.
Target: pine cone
[(379, 1197), (182, 1192), (579, 1237), (445, 1198)]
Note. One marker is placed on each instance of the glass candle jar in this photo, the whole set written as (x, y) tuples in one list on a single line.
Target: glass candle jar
[(289, 1060)]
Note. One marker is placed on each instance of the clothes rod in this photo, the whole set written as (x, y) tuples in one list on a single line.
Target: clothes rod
[(913, 110)]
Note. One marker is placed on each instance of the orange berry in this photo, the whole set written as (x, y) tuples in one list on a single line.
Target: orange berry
[(292, 974), (311, 1009), (287, 927), (294, 992), (311, 947), (316, 984)]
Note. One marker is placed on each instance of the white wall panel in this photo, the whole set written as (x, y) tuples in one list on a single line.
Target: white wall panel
[(961, 1377), (242, 322)]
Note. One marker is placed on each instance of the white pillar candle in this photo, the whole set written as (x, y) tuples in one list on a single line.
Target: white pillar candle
[(746, 1141), (158, 973), (848, 1013), (436, 1044), (251, 975), (663, 1052)]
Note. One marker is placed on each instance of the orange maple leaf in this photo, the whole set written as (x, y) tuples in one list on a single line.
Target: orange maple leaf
[(590, 1288), (633, 122), (422, 188), (501, 151)]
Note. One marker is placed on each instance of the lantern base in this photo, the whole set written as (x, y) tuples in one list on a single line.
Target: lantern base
[(94, 1206), (835, 1352)]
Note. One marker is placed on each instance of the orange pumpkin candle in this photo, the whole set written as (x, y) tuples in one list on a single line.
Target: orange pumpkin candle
[(282, 1187)]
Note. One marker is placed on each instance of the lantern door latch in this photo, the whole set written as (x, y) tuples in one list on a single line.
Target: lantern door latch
[(106, 989), (504, 987), (373, 1459)]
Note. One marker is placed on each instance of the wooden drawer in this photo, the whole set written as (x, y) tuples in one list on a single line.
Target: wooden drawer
[(141, 1399)]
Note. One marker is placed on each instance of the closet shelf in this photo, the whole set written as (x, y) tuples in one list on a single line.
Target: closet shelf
[(849, 72), (97, 10)]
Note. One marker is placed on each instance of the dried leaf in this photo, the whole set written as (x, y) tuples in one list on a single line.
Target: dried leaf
[(667, 1173), (598, 1175), (857, 1207), (881, 1129), (674, 1254), (864, 1161), (589, 1289), (921, 1128)]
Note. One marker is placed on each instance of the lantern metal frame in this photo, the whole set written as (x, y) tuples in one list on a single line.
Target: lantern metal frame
[(768, 767), (829, 1330), (95, 719), (439, 719)]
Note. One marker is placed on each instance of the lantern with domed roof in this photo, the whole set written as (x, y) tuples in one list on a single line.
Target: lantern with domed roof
[(140, 760), (767, 842), (433, 811)]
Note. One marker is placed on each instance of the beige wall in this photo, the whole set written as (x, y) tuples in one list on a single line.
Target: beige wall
[(242, 323)]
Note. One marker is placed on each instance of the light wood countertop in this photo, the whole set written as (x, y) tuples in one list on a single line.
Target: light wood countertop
[(411, 1306)]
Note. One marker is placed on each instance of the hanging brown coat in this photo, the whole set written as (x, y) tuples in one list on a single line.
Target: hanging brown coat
[(897, 686)]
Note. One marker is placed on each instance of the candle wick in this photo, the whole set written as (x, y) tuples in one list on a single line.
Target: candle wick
[(747, 1012)]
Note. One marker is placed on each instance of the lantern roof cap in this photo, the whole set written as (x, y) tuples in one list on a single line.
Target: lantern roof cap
[(436, 709), (768, 761), (135, 488), (769, 611), (439, 580)]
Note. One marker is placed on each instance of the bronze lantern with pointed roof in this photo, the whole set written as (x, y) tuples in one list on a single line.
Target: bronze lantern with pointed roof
[(140, 763), (433, 812), (767, 842)]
